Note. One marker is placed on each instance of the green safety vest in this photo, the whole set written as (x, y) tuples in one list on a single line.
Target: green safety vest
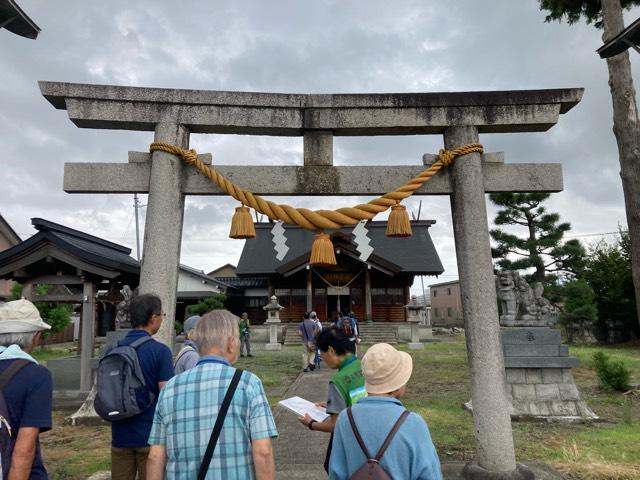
[(349, 380)]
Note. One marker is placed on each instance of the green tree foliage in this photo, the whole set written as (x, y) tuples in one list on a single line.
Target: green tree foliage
[(579, 303), (541, 247), (213, 302), (608, 272), (612, 375), (573, 10), (55, 314)]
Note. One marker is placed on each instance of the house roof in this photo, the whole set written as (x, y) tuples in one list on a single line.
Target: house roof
[(227, 265), (411, 255), (245, 282), (15, 20), (205, 277), (78, 249), (9, 233), (452, 282)]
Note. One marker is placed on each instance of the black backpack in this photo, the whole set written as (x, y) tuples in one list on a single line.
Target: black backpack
[(7, 440), (347, 326), (121, 390), (372, 470)]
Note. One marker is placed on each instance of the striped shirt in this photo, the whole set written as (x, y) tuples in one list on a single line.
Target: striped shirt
[(187, 410)]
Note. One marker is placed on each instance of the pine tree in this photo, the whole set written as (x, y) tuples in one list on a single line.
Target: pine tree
[(542, 247), (607, 14)]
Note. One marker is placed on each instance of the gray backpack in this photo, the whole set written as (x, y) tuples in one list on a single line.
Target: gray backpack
[(121, 388), (372, 470)]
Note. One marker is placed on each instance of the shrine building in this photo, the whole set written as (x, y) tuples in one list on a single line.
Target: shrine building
[(376, 289)]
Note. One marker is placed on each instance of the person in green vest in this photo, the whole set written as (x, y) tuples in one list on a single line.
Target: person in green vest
[(245, 335), (346, 387)]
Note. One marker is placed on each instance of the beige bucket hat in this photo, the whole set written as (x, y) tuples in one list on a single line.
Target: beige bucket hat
[(385, 369), (20, 316)]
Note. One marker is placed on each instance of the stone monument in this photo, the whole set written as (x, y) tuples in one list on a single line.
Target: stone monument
[(273, 319), (415, 316), (538, 367)]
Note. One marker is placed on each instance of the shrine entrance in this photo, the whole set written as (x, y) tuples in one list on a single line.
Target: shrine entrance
[(459, 117)]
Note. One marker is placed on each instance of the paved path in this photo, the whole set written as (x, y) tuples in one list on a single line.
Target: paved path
[(299, 453)]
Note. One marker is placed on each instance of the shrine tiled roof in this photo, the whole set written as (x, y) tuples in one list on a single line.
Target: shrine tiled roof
[(411, 255)]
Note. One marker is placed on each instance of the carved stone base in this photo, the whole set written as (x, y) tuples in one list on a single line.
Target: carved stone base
[(546, 393), (415, 346), (473, 471), (273, 346), (86, 414)]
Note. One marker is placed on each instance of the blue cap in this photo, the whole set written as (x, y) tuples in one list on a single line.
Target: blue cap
[(191, 322)]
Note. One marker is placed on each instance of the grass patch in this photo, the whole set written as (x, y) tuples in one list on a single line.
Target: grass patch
[(51, 353), (439, 386)]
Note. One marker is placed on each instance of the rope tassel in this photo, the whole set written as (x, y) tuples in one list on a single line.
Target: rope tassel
[(398, 224), (322, 251), (242, 224)]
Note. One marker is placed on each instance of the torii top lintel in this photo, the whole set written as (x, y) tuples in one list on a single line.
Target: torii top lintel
[(204, 111)]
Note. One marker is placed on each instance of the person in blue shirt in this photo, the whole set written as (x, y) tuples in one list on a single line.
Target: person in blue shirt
[(129, 447), (411, 454), (28, 395)]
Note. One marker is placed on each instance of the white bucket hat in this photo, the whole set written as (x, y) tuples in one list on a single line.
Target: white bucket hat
[(385, 369), (20, 316)]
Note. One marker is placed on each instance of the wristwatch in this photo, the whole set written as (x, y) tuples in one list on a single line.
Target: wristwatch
[(310, 424)]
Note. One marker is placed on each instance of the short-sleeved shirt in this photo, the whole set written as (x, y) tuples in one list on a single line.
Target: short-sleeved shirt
[(156, 362), (29, 396), (187, 410), (308, 330)]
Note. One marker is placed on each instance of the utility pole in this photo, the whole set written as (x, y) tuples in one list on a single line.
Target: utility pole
[(136, 205)]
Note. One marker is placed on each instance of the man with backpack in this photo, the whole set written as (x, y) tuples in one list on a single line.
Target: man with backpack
[(349, 325), (129, 447), (378, 438), (26, 392)]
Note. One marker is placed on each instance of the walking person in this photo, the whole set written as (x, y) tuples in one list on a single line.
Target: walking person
[(349, 325), (190, 404), (188, 356), (346, 386), (410, 455), (308, 332), (129, 447), (27, 390), (245, 335)]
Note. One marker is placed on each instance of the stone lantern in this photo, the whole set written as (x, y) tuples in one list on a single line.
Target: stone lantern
[(273, 319), (415, 315)]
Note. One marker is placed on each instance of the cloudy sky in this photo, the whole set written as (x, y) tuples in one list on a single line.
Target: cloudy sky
[(337, 46)]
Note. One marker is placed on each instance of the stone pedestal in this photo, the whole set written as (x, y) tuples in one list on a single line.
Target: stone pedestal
[(540, 384), (415, 315), (273, 319)]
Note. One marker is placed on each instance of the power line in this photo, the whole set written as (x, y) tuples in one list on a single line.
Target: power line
[(597, 234)]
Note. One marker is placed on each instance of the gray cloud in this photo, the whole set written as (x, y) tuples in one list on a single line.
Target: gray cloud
[(292, 46)]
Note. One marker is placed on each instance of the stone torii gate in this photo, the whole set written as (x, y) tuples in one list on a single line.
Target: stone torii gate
[(459, 117)]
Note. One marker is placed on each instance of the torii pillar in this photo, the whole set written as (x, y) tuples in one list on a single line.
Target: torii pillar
[(461, 117)]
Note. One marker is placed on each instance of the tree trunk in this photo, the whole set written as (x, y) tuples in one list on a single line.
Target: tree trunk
[(627, 131), (539, 274)]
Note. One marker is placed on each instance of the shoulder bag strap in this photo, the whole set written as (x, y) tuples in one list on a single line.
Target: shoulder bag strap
[(11, 371), (357, 434), (391, 434), (140, 341), (184, 350), (217, 428)]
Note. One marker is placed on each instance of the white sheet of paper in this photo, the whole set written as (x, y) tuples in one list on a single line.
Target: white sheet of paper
[(300, 406)]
